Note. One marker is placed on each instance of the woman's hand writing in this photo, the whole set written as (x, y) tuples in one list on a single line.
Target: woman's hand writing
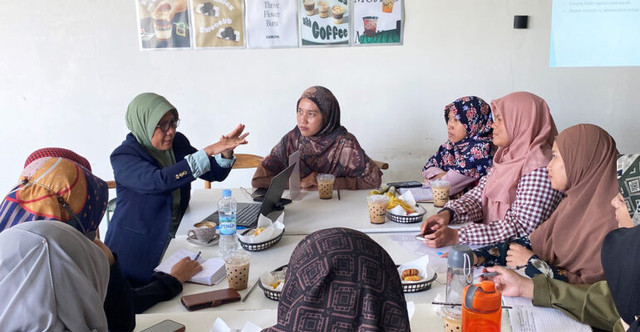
[(185, 268)]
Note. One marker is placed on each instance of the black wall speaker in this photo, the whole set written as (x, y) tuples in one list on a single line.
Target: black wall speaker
[(520, 21)]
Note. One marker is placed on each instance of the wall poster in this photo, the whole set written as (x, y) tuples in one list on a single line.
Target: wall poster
[(377, 22), (163, 24), (272, 23), (218, 23), (324, 22)]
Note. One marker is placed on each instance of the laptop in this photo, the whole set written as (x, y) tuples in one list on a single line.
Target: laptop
[(247, 213)]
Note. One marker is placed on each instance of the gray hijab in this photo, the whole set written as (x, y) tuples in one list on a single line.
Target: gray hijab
[(52, 278)]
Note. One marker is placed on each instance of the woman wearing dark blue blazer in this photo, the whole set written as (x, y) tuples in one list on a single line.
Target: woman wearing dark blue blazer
[(153, 170)]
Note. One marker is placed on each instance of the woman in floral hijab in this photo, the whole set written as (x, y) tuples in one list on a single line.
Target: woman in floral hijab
[(468, 152)]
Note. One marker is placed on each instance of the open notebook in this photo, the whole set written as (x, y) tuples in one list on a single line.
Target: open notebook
[(213, 270)]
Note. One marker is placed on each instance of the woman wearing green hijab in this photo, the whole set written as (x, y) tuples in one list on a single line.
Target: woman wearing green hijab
[(153, 170)]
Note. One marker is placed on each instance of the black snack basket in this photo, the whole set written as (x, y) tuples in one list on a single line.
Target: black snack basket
[(259, 246), (271, 294), (408, 219)]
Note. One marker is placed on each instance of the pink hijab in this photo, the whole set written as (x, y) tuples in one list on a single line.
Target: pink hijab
[(531, 133)]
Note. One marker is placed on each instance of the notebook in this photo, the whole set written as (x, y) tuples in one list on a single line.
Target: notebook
[(247, 213), (213, 270)]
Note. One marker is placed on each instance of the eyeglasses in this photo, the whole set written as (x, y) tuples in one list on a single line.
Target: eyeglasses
[(165, 125)]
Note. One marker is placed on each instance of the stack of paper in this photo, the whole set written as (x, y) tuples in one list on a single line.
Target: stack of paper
[(213, 270), (524, 317)]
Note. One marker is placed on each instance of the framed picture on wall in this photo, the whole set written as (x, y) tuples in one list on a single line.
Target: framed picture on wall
[(324, 22), (377, 22), (163, 24)]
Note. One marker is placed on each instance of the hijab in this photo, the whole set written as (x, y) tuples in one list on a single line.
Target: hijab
[(51, 279), (143, 114), (339, 279), (585, 216), (332, 150), (531, 131), (622, 269), (37, 196), (473, 154), (57, 152)]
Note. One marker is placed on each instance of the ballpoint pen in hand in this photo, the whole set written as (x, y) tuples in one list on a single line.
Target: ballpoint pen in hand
[(197, 256)]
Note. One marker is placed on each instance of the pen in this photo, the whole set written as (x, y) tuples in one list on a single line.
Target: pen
[(459, 304), (338, 190), (197, 256), (493, 274), (250, 290)]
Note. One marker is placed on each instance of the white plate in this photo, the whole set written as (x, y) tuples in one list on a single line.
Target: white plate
[(197, 243)]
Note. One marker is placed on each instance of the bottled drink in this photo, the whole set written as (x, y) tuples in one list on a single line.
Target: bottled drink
[(459, 275), (227, 207), (481, 308)]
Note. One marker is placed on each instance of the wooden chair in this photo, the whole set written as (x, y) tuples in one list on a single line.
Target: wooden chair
[(243, 160)]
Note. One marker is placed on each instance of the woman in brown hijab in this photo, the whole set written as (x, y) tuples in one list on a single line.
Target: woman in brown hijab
[(325, 147), (567, 246)]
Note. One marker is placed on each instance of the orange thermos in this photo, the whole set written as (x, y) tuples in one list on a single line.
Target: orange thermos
[(481, 308)]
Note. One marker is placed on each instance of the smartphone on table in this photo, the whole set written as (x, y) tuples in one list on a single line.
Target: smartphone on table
[(166, 325)]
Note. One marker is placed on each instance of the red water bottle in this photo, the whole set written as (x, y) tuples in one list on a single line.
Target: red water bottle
[(481, 308)]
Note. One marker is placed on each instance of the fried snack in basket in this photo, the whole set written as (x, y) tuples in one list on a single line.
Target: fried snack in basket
[(409, 273)]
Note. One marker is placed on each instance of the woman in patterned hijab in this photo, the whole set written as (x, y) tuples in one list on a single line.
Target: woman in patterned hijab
[(469, 149), (325, 147), (340, 279), (54, 188)]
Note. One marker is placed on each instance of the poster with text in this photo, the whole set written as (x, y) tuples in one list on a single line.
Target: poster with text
[(163, 24), (377, 22), (218, 23), (272, 23), (324, 22)]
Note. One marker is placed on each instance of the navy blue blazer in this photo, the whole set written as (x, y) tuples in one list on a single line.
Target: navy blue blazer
[(139, 230)]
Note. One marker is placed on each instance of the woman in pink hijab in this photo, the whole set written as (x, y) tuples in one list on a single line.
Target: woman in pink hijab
[(516, 195)]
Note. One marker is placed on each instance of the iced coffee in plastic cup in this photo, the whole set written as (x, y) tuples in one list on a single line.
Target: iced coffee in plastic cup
[(440, 189), (309, 7), (377, 208), (325, 185), (237, 266)]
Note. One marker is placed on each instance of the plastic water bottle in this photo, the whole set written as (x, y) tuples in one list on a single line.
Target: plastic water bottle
[(227, 207)]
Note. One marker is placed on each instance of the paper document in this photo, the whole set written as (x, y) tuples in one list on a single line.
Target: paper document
[(421, 194), (213, 270), (525, 317)]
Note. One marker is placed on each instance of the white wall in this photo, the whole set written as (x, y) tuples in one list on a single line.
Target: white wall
[(68, 69)]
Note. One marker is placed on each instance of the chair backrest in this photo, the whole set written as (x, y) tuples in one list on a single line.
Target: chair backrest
[(243, 160)]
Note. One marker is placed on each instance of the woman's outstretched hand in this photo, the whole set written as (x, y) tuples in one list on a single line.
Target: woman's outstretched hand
[(228, 142)]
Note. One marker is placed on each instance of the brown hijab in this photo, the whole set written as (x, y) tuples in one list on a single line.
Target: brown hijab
[(571, 239), (332, 150), (531, 131)]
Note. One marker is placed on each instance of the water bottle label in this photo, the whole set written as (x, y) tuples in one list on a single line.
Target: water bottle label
[(227, 225)]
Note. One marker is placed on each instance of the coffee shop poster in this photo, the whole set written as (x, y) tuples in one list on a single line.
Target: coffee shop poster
[(324, 22), (218, 23), (377, 22), (272, 23), (163, 24)]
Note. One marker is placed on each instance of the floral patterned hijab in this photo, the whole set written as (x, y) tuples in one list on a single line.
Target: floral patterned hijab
[(473, 155)]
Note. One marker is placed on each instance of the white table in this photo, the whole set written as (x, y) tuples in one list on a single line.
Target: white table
[(402, 247), (307, 215)]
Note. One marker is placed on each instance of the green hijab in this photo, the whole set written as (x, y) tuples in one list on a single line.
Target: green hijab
[(143, 114)]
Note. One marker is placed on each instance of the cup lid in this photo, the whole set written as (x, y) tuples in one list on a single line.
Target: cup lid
[(457, 255)]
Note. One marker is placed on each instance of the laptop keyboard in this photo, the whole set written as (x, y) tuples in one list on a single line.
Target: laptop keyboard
[(248, 214)]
